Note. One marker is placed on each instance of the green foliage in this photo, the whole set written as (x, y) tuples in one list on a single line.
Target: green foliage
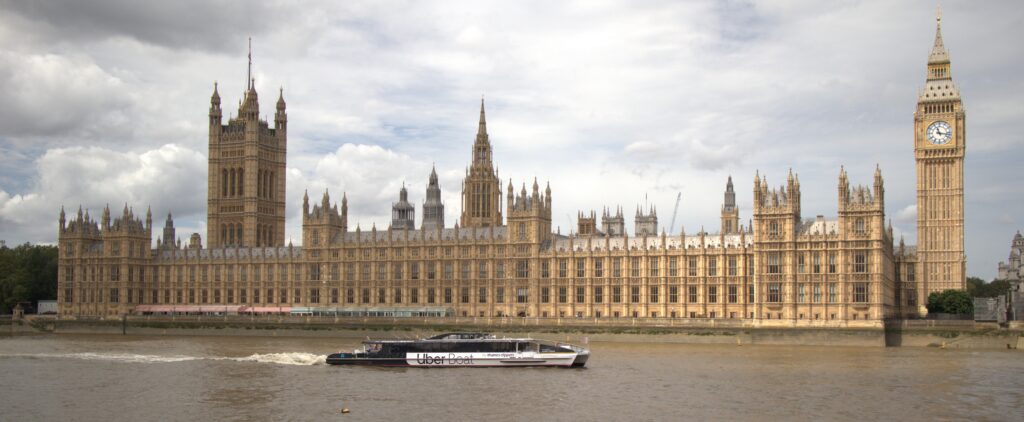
[(977, 287), (956, 302), (27, 274)]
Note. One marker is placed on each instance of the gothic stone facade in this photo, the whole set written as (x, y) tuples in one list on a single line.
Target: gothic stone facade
[(783, 269)]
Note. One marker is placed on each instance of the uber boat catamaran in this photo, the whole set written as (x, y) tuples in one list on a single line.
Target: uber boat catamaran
[(464, 349)]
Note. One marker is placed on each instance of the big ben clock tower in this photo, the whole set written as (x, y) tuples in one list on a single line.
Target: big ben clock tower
[(939, 144)]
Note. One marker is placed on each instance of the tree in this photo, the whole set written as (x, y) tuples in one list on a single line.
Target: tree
[(27, 274), (956, 302), (977, 287)]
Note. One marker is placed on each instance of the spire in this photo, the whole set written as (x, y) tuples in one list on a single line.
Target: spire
[(280, 100), (215, 98), (481, 148), (248, 107), (482, 129), (433, 175), (938, 54), (106, 217), (730, 195), (248, 75)]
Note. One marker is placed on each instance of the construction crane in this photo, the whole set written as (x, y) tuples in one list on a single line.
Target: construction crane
[(672, 227)]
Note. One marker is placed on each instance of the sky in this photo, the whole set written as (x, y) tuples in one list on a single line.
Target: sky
[(613, 103)]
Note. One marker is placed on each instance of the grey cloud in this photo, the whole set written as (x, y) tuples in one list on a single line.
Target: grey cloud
[(190, 24), (51, 94)]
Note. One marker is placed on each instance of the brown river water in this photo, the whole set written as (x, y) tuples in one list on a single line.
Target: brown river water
[(117, 378)]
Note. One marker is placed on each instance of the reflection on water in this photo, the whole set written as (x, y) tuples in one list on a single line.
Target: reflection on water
[(188, 378)]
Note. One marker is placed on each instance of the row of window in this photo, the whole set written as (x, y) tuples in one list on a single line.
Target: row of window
[(233, 183), (429, 270), (616, 294), (136, 248), (811, 262), (813, 292)]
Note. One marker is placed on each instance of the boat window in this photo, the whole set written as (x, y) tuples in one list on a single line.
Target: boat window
[(503, 346), (550, 348)]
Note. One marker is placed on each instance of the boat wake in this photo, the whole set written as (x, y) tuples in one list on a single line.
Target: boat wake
[(288, 358), (293, 358)]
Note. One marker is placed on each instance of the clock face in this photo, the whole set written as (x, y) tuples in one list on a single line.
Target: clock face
[(939, 133)]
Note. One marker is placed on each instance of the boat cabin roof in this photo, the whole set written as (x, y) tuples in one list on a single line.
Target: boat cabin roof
[(461, 336)]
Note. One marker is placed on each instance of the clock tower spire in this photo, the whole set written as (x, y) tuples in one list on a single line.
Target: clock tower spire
[(940, 136)]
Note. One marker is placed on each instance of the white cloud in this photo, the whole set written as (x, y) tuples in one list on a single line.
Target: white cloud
[(169, 179), (907, 215), (369, 175)]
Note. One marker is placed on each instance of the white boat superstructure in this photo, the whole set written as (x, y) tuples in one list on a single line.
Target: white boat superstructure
[(464, 350)]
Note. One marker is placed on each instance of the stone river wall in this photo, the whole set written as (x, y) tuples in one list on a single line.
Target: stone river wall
[(948, 334)]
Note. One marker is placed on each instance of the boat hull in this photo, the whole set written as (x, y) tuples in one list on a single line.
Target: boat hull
[(440, 360)]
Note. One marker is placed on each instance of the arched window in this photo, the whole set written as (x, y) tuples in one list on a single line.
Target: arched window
[(224, 182), (273, 182), (259, 183), (223, 234), (858, 226), (232, 174), (241, 182), (239, 237), (773, 229)]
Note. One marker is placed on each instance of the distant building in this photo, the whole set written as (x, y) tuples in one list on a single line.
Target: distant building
[(1013, 268), (1012, 271)]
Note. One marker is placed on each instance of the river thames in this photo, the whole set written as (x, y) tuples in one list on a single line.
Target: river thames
[(100, 377)]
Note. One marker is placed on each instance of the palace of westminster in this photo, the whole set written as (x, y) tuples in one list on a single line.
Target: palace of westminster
[(501, 258)]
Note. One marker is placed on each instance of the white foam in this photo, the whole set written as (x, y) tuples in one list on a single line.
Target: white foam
[(293, 358)]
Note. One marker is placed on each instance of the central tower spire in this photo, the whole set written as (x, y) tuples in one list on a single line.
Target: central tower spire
[(482, 146), (481, 190)]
